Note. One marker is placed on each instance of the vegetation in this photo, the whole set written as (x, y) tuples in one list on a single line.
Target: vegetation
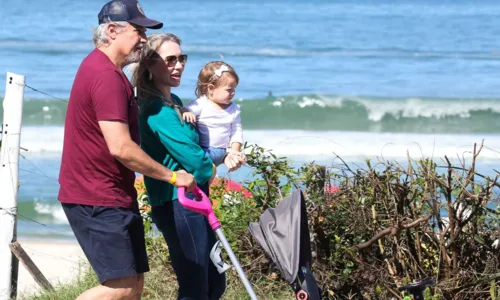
[(373, 228)]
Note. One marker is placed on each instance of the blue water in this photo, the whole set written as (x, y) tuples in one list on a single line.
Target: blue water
[(371, 48), (366, 78)]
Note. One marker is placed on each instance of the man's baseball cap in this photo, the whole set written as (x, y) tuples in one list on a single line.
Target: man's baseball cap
[(126, 10)]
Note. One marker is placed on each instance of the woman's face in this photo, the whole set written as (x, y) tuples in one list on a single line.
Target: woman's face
[(168, 68)]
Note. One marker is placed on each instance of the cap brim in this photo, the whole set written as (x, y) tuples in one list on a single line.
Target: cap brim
[(145, 22)]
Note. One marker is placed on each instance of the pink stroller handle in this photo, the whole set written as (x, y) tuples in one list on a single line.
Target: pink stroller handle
[(201, 205)]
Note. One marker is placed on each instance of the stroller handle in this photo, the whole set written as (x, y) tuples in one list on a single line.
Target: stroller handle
[(201, 205)]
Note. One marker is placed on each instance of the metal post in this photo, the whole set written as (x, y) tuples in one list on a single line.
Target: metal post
[(236, 264)]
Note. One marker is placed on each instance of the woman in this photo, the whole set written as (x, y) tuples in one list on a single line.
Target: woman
[(174, 143)]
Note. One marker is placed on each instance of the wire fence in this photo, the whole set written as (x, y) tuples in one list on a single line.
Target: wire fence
[(13, 211)]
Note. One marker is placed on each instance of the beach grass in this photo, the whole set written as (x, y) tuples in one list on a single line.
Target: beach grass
[(160, 283), (69, 291)]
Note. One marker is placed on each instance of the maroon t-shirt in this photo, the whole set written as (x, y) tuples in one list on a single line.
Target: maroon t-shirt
[(89, 174)]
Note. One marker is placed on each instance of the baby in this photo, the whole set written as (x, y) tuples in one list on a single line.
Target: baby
[(217, 117)]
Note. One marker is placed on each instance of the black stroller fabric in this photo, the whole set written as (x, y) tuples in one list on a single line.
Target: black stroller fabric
[(284, 235)]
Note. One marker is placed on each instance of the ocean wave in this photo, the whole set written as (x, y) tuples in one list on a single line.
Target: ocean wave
[(42, 211), (332, 112), (53, 211), (44, 47), (372, 114), (242, 50), (64, 47)]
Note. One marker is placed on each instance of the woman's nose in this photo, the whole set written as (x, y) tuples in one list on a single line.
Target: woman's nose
[(178, 65)]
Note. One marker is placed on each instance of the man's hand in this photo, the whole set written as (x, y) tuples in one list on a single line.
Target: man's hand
[(184, 179)]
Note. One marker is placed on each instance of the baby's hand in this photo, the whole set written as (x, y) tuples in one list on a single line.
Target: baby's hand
[(240, 155), (189, 117)]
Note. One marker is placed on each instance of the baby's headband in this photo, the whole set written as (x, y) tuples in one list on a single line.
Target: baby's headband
[(221, 69)]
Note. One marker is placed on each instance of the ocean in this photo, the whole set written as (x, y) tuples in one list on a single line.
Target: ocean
[(359, 79)]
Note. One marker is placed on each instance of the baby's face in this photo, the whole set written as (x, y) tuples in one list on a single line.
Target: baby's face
[(224, 92)]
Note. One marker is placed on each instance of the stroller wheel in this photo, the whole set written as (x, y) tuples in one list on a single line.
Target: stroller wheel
[(302, 295)]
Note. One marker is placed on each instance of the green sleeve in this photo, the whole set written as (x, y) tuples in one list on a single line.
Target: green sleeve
[(177, 137)]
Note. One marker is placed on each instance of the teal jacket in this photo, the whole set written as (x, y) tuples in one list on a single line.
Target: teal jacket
[(173, 143)]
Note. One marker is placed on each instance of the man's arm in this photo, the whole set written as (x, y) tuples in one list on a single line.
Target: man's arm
[(125, 150)]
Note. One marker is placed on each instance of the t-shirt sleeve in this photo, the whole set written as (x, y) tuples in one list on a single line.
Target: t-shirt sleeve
[(175, 136), (194, 107), (236, 128), (109, 97)]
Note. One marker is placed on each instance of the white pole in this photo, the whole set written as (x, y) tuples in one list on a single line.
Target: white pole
[(9, 169)]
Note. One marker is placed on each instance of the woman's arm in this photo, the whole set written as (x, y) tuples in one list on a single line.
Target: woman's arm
[(177, 138)]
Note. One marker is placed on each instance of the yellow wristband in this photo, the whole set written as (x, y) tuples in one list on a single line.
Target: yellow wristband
[(214, 169), (173, 178)]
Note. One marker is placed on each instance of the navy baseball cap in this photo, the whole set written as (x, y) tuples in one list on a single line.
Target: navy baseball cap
[(126, 10)]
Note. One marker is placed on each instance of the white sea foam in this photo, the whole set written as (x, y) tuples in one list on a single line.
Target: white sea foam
[(327, 144), (49, 140), (410, 107), (54, 210), (42, 139)]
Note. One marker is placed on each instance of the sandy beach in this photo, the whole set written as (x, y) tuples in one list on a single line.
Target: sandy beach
[(58, 261)]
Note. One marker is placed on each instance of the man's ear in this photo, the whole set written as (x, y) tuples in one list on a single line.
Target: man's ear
[(112, 31)]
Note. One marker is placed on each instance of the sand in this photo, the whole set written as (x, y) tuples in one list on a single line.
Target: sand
[(59, 261)]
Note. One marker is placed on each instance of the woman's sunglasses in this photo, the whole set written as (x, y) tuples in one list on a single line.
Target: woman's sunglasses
[(172, 59)]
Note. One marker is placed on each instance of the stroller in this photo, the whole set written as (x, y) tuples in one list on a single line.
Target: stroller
[(284, 235)]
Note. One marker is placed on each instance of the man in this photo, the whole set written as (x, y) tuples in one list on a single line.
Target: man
[(101, 154)]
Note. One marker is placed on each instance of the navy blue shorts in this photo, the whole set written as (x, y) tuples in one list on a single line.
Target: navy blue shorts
[(112, 238)]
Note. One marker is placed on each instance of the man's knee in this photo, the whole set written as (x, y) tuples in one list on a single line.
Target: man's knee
[(126, 288)]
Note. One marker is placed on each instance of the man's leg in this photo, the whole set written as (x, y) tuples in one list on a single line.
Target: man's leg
[(113, 242), (128, 288), (140, 286)]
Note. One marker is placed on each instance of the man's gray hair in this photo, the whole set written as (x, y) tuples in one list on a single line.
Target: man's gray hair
[(101, 37)]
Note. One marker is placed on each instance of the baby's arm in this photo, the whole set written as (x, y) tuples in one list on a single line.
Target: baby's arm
[(236, 147), (237, 136)]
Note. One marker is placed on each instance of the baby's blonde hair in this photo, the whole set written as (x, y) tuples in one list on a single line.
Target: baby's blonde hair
[(208, 76)]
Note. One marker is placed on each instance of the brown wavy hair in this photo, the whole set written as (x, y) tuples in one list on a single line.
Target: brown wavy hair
[(207, 77), (140, 77)]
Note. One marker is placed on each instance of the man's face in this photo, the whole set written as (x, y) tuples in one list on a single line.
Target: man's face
[(130, 40)]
